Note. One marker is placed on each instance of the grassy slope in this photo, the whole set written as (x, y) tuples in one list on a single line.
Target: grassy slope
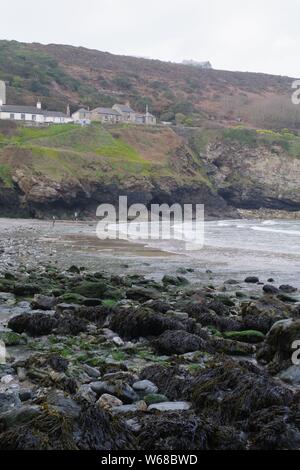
[(92, 153)]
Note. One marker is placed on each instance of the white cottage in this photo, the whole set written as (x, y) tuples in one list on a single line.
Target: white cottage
[(33, 114)]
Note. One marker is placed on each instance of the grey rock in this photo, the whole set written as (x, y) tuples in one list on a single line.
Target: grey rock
[(145, 386), (291, 375), (121, 390), (86, 393), (91, 371), (171, 406)]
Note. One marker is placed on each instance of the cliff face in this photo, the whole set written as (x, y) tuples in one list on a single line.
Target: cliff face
[(65, 169), (254, 178), (250, 169)]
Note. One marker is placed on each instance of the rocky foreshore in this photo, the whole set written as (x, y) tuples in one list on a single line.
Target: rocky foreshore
[(106, 362)]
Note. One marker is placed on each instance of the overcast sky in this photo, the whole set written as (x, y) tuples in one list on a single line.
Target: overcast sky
[(256, 35)]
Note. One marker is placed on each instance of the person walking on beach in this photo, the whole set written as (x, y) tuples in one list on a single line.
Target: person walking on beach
[(53, 221)]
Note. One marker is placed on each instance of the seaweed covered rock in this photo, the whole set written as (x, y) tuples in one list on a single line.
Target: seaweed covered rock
[(231, 347), (179, 342), (173, 382), (262, 314), (174, 431), (142, 294), (52, 427), (35, 324), (185, 431), (213, 314), (130, 323), (39, 324), (277, 350), (230, 392), (275, 428)]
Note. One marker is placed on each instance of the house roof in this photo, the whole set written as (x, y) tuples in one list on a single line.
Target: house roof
[(125, 108), (7, 108), (109, 111)]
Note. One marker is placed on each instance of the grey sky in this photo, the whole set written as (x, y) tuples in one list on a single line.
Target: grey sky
[(258, 36)]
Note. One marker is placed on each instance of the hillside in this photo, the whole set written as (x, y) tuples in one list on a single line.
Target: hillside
[(64, 74), (66, 168), (62, 169)]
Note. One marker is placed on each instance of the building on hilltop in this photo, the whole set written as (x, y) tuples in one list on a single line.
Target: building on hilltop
[(82, 116), (29, 114), (33, 114), (127, 113), (119, 113), (106, 115)]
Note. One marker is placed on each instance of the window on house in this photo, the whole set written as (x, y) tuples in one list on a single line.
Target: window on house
[(23, 117), (12, 116), (34, 117)]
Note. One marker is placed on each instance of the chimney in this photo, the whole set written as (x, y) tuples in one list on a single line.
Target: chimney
[(2, 92), (39, 105)]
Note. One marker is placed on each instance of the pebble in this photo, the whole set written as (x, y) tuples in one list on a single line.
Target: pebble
[(145, 386), (107, 401), (171, 406), (7, 379), (138, 406)]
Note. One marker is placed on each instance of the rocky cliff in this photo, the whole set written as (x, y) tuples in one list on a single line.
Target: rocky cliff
[(65, 169), (251, 169)]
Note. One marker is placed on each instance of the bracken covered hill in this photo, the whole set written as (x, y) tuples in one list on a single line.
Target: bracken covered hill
[(60, 74)]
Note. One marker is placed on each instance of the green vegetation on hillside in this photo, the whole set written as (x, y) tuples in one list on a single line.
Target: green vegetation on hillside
[(285, 139), (93, 153)]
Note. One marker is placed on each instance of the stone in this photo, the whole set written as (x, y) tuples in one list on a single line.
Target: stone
[(145, 386), (8, 401), (174, 280), (288, 289), (121, 390), (179, 342), (107, 401), (86, 393), (272, 290), (123, 409), (291, 375), (43, 302), (7, 379), (142, 294), (133, 425), (25, 395), (171, 406), (91, 371), (21, 371), (252, 280), (118, 341)]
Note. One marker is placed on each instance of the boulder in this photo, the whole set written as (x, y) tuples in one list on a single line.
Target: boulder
[(179, 342), (144, 322), (251, 280), (107, 402), (170, 406), (145, 386)]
